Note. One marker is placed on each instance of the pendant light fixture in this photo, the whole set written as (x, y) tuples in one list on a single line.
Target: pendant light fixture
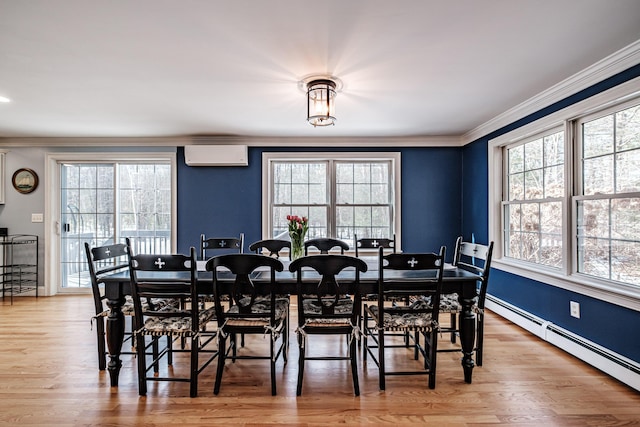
[(321, 97)]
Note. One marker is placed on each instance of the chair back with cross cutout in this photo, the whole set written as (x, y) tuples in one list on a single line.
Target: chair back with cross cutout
[(373, 244), (102, 261), (211, 246), (163, 277)]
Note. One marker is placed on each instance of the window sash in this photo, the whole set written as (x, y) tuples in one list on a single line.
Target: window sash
[(533, 198), (607, 222)]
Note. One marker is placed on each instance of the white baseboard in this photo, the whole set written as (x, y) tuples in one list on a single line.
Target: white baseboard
[(616, 365)]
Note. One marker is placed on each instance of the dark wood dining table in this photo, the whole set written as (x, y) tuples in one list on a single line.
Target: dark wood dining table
[(460, 281)]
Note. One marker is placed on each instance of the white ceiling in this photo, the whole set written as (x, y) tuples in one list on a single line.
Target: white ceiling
[(410, 68)]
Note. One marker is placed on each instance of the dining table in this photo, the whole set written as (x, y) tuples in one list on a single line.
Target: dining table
[(455, 280)]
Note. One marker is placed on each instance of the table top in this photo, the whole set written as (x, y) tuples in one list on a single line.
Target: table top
[(285, 277)]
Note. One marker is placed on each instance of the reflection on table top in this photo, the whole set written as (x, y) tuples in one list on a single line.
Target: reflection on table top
[(370, 276)]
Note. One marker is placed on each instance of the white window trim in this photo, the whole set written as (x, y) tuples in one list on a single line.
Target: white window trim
[(566, 278), (268, 157), (52, 205)]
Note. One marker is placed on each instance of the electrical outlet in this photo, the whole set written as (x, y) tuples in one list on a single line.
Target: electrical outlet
[(574, 309), (37, 217)]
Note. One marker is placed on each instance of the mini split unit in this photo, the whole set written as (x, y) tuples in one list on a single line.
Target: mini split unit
[(216, 155)]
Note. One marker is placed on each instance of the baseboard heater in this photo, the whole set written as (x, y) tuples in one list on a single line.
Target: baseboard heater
[(623, 369)]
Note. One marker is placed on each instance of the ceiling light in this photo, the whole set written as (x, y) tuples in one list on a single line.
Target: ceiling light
[(321, 98)]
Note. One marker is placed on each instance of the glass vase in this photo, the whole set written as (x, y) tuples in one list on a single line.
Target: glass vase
[(297, 247)]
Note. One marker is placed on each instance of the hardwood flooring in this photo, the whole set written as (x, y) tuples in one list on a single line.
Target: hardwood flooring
[(49, 376)]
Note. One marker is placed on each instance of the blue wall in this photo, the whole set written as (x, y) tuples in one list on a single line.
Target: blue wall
[(609, 325), (225, 201)]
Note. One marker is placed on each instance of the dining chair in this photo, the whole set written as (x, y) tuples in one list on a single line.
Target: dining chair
[(372, 244), (330, 307), (418, 318), (101, 261), (253, 309), (475, 258), (325, 244), (172, 276), (210, 246), (272, 247)]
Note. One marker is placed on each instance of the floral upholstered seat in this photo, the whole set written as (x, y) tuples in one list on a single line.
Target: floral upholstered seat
[(406, 318)]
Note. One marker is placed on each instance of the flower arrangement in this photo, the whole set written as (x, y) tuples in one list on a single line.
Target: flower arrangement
[(298, 227)]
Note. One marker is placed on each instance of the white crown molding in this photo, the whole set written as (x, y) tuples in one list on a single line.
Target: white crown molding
[(131, 142), (373, 142), (603, 69), (382, 142)]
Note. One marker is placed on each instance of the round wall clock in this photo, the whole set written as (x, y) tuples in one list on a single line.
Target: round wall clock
[(25, 180)]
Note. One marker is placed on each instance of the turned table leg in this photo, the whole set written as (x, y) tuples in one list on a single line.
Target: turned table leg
[(115, 337), (467, 336)]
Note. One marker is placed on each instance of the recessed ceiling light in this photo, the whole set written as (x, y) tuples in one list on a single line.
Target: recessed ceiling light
[(3, 99)]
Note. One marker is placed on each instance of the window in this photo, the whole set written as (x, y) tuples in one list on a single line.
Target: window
[(342, 194), (564, 197), (535, 190), (608, 208)]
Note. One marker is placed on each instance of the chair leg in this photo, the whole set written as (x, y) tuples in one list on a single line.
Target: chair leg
[(102, 348), (233, 342), (273, 367), (285, 337), (365, 332), (222, 354), (301, 357), (479, 338), (381, 367), (156, 351), (142, 365), (454, 321), (433, 353), (193, 377), (354, 365)]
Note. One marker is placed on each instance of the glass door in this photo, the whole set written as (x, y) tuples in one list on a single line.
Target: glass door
[(103, 203), (88, 214)]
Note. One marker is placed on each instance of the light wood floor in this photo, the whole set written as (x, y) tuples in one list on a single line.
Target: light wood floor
[(49, 376)]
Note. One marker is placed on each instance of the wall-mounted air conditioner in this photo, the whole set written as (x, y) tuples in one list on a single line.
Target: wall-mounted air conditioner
[(216, 155)]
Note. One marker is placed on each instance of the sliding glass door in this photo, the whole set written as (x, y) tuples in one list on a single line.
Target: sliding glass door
[(103, 203)]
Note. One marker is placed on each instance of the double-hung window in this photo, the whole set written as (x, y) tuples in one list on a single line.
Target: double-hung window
[(342, 194), (564, 198), (608, 201)]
